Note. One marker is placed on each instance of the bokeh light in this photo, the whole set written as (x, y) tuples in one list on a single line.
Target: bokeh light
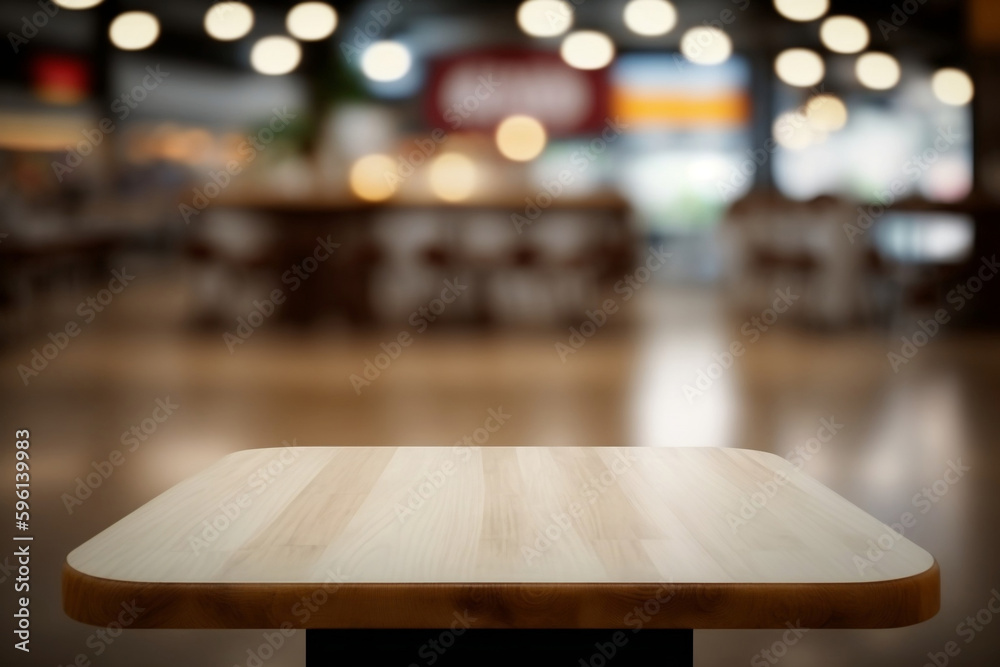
[(876, 70), (386, 61), (650, 18), (371, 177), (226, 21), (311, 21), (545, 18), (952, 86), (844, 34), (453, 177), (134, 31), (521, 138), (587, 49), (275, 55), (705, 45), (78, 4), (802, 10), (799, 67), (826, 113)]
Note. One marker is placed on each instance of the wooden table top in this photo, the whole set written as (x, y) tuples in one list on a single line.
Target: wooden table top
[(527, 537)]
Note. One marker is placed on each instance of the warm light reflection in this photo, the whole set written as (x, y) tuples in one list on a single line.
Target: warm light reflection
[(373, 177), (844, 34), (799, 67), (521, 138), (952, 86), (453, 177), (878, 71), (826, 113)]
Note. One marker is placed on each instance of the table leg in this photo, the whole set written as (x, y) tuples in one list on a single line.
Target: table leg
[(499, 648)]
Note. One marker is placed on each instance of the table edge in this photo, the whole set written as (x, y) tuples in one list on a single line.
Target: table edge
[(875, 604)]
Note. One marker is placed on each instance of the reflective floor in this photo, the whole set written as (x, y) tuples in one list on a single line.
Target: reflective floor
[(879, 438)]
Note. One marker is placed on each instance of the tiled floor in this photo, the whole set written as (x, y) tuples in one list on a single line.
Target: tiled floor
[(896, 434)]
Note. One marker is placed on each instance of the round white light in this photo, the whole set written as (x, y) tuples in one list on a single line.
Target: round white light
[(453, 177), (78, 4), (226, 21), (799, 67), (705, 45), (826, 113), (372, 177), (587, 49), (802, 10), (952, 86), (386, 61), (311, 21), (275, 55), (521, 138), (545, 18), (844, 34), (134, 31), (650, 18), (878, 71)]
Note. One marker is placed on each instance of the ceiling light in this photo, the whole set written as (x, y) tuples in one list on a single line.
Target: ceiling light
[(134, 31), (311, 21)]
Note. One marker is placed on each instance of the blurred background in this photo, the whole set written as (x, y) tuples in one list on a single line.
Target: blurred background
[(722, 223)]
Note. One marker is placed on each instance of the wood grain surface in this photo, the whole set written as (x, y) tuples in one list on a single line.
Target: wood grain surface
[(525, 537)]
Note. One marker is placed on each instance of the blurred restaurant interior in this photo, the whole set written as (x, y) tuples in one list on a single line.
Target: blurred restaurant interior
[(765, 224)]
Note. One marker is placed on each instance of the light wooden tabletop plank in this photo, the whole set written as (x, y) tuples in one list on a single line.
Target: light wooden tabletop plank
[(388, 527)]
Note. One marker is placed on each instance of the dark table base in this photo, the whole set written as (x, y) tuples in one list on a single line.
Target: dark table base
[(499, 648)]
